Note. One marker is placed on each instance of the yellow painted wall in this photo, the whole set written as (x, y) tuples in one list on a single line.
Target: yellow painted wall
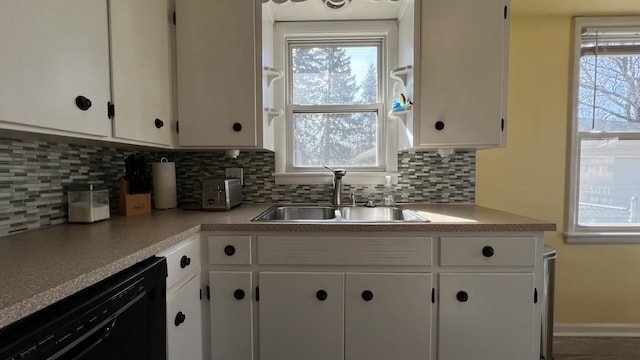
[(594, 283)]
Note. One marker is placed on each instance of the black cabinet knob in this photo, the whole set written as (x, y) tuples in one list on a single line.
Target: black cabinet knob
[(83, 103), (229, 250), (180, 317), (439, 125), (462, 296), (321, 295), (185, 261), (488, 251), (367, 295), (238, 294), (158, 123), (237, 127)]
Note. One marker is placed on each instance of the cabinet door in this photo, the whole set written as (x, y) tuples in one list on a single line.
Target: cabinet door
[(463, 72), (53, 52), (218, 81), (141, 70), (301, 316), (184, 322), (388, 316), (487, 316), (231, 315)]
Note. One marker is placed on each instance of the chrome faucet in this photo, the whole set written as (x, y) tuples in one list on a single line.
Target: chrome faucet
[(338, 174)]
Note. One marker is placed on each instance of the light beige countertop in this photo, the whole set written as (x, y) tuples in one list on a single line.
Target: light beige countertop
[(40, 267)]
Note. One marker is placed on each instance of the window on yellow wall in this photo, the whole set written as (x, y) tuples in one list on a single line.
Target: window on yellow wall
[(604, 196)]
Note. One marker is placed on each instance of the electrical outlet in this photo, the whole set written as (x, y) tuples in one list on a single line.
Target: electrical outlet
[(234, 173)]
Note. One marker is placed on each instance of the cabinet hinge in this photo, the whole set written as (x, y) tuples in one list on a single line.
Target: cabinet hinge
[(174, 18), (535, 296), (433, 295), (208, 293), (257, 294), (502, 125), (177, 127), (505, 12), (111, 110)]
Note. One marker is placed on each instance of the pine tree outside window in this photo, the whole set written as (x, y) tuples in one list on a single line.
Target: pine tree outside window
[(604, 198), (335, 114)]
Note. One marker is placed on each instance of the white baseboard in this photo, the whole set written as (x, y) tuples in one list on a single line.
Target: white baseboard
[(604, 330)]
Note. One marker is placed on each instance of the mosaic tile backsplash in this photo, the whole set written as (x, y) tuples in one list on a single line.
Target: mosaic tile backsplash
[(33, 176)]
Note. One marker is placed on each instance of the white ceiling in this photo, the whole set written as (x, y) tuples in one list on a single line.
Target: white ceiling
[(314, 10)]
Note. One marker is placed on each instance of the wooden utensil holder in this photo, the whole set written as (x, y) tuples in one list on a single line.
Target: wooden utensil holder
[(133, 204)]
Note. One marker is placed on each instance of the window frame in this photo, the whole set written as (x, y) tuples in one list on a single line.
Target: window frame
[(382, 32), (576, 233)]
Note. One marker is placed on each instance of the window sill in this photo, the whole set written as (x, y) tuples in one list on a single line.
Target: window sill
[(352, 178), (603, 238)]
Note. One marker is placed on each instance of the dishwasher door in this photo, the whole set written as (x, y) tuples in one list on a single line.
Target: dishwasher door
[(121, 317)]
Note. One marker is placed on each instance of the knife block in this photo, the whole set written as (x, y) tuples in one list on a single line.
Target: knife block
[(133, 204)]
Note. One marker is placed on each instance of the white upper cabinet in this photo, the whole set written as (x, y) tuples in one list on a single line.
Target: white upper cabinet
[(219, 73), (460, 71), (141, 70), (54, 67)]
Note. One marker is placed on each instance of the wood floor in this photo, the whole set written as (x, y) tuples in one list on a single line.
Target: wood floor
[(596, 348)]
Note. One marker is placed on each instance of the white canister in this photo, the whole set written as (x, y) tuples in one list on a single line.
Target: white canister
[(164, 184)]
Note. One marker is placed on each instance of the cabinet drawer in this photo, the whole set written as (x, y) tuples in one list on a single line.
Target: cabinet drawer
[(230, 250), (347, 250), (182, 259), (487, 251)]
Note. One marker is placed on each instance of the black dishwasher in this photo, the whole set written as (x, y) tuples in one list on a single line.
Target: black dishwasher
[(121, 317)]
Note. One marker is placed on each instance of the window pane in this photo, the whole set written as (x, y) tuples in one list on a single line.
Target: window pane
[(332, 75), (609, 182), (335, 139), (609, 93)]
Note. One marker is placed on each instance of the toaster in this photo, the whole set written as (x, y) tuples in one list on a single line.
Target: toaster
[(221, 194)]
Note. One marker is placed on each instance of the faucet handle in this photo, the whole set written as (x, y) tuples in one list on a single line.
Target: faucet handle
[(353, 199), (337, 172)]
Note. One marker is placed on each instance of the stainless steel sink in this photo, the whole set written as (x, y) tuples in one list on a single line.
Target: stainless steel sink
[(378, 214), (307, 213), (297, 213)]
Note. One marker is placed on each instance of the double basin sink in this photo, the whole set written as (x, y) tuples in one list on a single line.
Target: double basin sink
[(353, 213)]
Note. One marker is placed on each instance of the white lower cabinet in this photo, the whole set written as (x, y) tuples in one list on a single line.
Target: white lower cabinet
[(355, 296), (301, 316), (487, 316), (388, 316), (305, 315), (231, 313), (184, 322), (184, 306)]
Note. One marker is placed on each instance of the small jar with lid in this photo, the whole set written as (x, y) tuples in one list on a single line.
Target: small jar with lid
[(88, 202)]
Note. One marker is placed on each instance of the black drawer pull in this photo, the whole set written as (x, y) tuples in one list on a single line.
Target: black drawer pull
[(488, 251), (185, 261), (83, 103), (321, 295), (180, 317), (367, 295), (158, 123), (238, 294), (462, 296), (229, 250)]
